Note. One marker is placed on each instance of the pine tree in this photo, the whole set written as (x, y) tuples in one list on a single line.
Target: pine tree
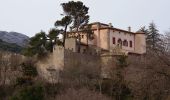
[(53, 34), (64, 22), (89, 33), (79, 16), (153, 37), (167, 41), (36, 45)]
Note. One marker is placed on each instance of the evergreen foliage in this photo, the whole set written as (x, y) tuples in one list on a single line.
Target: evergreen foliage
[(29, 93), (153, 37), (29, 71), (78, 13), (64, 22), (41, 43), (53, 33)]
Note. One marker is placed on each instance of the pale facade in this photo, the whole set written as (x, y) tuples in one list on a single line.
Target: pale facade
[(106, 37)]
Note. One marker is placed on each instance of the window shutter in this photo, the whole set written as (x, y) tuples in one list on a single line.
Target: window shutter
[(113, 40), (130, 43)]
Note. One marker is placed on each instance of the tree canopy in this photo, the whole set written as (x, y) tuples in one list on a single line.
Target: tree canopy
[(78, 13), (153, 37), (75, 15)]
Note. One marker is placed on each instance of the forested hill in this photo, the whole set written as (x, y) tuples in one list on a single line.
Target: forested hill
[(13, 41), (14, 37), (12, 47)]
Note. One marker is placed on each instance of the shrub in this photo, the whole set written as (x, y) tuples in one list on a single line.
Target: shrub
[(81, 94), (29, 93)]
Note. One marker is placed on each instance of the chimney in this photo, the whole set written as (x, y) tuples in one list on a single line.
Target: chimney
[(98, 25), (129, 29), (110, 25)]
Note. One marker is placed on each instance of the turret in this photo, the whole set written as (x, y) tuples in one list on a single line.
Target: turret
[(140, 42)]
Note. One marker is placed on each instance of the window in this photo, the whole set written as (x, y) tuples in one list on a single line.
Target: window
[(119, 42), (130, 43), (113, 40), (125, 43), (82, 36)]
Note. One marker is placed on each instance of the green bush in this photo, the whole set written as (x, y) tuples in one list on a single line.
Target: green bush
[(29, 93), (29, 69)]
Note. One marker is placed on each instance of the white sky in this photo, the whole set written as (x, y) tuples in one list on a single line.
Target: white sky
[(32, 16)]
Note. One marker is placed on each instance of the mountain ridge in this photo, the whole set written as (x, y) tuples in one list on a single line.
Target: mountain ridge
[(14, 38)]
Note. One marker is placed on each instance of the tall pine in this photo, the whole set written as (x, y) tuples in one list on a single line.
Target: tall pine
[(153, 39), (79, 16)]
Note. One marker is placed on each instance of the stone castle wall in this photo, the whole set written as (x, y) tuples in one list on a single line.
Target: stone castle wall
[(72, 59), (50, 67)]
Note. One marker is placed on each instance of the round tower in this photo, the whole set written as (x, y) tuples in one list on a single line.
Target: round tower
[(140, 42)]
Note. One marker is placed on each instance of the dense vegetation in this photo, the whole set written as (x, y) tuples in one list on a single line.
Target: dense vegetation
[(131, 78), (11, 47)]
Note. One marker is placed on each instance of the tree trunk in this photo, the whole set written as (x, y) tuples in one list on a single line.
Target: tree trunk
[(51, 46), (87, 40), (64, 36), (79, 40)]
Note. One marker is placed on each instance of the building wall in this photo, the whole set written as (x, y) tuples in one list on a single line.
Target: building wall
[(50, 66), (103, 39), (70, 43), (140, 43), (73, 59), (123, 36)]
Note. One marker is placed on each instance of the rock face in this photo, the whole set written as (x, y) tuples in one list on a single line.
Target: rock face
[(14, 37)]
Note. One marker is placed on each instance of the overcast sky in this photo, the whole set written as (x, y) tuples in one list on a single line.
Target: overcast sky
[(32, 16)]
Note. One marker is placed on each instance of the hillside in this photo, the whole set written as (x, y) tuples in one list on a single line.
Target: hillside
[(4, 46), (14, 37)]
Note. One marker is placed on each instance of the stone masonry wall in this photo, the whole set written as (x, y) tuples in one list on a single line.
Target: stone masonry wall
[(72, 59), (50, 67)]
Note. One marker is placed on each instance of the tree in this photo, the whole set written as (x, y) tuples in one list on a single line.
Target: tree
[(39, 39), (121, 91), (53, 35), (35, 92), (42, 42), (64, 22), (78, 13), (37, 44), (153, 37), (145, 30), (29, 71), (89, 33), (167, 41), (117, 85)]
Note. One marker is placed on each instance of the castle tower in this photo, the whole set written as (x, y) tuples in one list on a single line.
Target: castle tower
[(140, 42)]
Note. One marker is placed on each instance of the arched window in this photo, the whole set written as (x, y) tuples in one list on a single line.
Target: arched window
[(119, 41), (125, 43)]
